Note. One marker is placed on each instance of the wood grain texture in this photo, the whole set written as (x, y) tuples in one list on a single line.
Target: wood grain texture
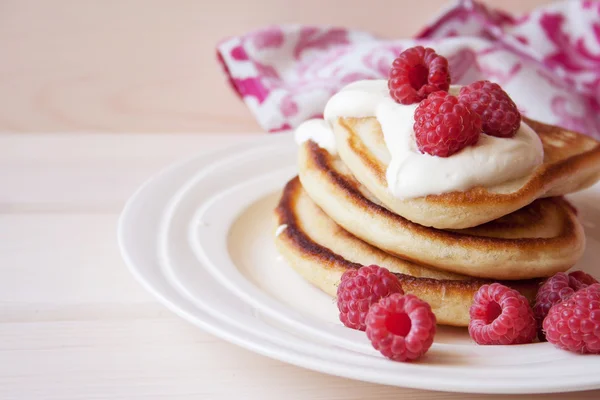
[(74, 325), (149, 65)]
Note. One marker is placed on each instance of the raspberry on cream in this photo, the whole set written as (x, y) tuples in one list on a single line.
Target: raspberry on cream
[(416, 73), (499, 114), (410, 173), (443, 126)]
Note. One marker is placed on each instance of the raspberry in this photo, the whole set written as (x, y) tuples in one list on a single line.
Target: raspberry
[(416, 73), (401, 327), (556, 289), (359, 289), (582, 277), (574, 324), (499, 114), (501, 315), (443, 126)]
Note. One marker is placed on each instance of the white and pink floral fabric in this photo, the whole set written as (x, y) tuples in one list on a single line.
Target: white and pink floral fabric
[(547, 60)]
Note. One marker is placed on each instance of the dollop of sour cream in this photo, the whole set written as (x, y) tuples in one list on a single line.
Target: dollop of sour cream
[(317, 130), (410, 173)]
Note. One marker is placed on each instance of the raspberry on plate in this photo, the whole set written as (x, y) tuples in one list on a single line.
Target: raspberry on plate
[(416, 73), (499, 115), (359, 289), (443, 126), (556, 289), (574, 324), (583, 277), (501, 315), (401, 327)]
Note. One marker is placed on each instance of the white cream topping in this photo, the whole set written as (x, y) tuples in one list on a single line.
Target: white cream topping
[(280, 229), (410, 174), (317, 130)]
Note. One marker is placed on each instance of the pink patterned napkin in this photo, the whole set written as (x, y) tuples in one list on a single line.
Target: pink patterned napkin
[(548, 61)]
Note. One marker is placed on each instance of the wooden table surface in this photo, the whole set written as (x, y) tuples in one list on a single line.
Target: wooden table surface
[(85, 87)]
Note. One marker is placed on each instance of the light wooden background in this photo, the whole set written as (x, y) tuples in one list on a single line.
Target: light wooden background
[(73, 323)]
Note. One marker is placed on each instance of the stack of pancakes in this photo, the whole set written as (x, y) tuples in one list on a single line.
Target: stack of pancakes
[(338, 214)]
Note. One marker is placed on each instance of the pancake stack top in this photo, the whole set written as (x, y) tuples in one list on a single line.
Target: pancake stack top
[(367, 193)]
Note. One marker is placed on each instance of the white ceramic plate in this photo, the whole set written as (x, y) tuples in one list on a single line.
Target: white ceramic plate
[(199, 237)]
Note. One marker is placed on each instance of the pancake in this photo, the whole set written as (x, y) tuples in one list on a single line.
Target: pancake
[(539, 240), (571, 163), (321, 251)]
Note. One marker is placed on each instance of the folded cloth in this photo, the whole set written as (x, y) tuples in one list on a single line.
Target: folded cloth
[(548, 61)]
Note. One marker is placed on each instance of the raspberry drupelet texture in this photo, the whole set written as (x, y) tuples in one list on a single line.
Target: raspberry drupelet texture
[(501, 315), (359, 289), (574, 324), (443, 126), (416, 73), (401, 327), (583, 277), (556, 289), (499, 115)]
